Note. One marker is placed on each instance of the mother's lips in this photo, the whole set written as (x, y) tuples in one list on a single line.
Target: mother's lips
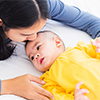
[(41, 60)]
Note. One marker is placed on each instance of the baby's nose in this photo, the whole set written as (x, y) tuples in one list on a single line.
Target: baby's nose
[(37, 55)]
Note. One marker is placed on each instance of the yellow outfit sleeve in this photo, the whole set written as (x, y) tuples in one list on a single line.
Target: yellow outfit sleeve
[(88, 48)]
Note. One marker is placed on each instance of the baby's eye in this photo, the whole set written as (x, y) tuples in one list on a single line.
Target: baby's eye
[(38, 47), (32, 57)]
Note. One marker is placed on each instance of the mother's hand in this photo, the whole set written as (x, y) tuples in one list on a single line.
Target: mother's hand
[(23, 86)]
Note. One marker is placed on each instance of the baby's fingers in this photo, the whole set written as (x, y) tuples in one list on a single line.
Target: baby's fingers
[(77, 87), (82, 91), (98, 50), (96, 42), (83, 98), (93, 42)]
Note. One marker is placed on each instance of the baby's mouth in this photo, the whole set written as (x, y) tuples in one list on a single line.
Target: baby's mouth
[(41, 60)]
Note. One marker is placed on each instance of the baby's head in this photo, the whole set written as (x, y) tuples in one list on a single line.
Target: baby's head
[(44, 50)]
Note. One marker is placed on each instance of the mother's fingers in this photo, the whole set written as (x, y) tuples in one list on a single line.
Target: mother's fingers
[(37, 89), (37, 96), (43, 92), (35, 79)]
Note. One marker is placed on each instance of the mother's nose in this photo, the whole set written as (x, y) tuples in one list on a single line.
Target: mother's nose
[(31, 37)]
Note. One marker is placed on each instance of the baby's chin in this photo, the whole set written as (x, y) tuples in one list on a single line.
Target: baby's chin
[(45, 67), (44, 70)]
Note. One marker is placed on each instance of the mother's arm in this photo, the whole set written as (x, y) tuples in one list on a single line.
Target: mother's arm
[(74, 17), (23, 87)]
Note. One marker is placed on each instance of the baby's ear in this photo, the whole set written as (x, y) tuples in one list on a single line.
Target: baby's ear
[(58, 41)]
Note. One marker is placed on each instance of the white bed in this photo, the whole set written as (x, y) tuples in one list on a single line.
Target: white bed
[(20, 64)]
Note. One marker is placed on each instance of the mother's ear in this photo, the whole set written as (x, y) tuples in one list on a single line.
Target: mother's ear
[(58, 41), (0, 22)]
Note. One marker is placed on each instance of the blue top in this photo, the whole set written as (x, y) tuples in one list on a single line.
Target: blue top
[(74, 17)]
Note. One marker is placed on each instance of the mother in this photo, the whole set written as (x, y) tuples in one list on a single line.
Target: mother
[(20, 20)]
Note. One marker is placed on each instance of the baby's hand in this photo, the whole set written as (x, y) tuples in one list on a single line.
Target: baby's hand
[(96, 42), (79, 93)]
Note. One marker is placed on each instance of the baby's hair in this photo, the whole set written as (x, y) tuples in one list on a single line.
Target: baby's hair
[(51, 34)]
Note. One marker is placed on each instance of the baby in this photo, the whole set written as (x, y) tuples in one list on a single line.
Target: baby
[(65, 68)]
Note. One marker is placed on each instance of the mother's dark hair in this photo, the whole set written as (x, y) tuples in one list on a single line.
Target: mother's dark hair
[(16, 14)]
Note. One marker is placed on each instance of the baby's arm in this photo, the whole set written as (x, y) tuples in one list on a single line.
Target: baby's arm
[(96, 43), (79, 93)]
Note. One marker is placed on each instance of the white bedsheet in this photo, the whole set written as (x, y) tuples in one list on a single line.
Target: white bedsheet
[(19, 64)]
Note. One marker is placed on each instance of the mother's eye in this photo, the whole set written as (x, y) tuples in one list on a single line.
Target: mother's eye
[(38, 47)]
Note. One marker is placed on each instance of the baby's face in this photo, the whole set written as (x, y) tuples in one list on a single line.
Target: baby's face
[(42, 52)]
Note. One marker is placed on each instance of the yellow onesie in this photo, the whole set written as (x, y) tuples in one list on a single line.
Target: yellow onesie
[(78, 64)]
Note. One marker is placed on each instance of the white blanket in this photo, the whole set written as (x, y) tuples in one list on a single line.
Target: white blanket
[(19, 64)]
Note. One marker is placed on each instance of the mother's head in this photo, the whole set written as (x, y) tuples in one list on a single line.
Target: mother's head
[(20, 20)]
